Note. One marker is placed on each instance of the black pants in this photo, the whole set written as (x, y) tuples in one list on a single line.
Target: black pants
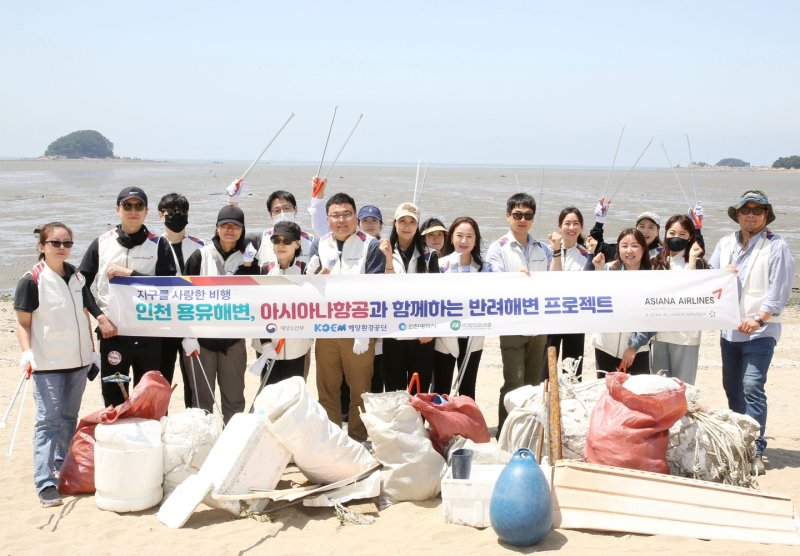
[(570, 344), (119, 354), (444, 364), (403, 358), (609, 363), (285, 368), (172, 349)]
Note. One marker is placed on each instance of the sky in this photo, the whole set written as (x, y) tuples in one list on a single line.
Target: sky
[(460, 82)]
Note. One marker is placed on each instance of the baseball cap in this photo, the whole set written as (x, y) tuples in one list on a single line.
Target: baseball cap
[(230, 214), (370, 210), (131, 193), (650, 216), (407, 209)]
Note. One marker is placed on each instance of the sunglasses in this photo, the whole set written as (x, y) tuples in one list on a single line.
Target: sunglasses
[(758, 211), (521, 215), (59, 244), (278, 240), (138, 207)]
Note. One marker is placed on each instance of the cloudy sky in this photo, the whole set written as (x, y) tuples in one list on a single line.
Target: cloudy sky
[(516, 82)]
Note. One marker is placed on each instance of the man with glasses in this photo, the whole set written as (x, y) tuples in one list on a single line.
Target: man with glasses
[(518, 251), (282, 207), (173, 211), (345, 250), (127, 250), (764, 268)]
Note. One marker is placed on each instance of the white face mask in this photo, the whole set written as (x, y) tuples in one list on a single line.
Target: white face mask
[(285, 216)]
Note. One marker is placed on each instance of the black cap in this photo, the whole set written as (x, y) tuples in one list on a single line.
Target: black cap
[(131, 193), (289, 230), (230, 214)]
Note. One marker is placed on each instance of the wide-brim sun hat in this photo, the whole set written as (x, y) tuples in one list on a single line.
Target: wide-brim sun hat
[(755, 196)]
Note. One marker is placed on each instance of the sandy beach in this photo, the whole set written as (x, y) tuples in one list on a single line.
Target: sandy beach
[(79, 527)]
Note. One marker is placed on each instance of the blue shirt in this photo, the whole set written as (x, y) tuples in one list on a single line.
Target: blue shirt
[(781, 271)]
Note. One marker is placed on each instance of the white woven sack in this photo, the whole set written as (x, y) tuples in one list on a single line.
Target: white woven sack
[(187, 438), (321, 449), (412, 469)]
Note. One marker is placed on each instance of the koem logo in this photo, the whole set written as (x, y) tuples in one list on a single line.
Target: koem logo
[(271, 327), (455, 325)]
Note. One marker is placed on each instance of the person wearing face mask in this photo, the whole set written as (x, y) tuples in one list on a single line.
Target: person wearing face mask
[(127, 250), (676, 353), (282, 207), (173, 211)]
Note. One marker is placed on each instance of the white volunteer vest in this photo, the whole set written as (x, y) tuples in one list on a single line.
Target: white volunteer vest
[(141, 258), (59, 328), (353, 259), (266, 254), (189, 245), (212, 263), (755, 284)]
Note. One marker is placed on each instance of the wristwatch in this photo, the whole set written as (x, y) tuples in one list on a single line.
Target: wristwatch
[(758, 319)]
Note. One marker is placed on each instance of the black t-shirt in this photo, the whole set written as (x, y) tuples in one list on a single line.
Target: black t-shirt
[(26, 296)]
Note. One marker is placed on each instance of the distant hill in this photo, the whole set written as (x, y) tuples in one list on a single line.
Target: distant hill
[(787, 162), (81, 144), (733, 163)]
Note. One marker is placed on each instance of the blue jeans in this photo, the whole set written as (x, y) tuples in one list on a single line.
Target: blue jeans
[(58, 401), (744, 374)]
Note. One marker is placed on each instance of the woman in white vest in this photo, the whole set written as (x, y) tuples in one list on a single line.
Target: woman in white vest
[(569, 254), (290, 359), (224, 360), (677, 353), (55, 337), (624, 351), (463, 254), (406, 253)]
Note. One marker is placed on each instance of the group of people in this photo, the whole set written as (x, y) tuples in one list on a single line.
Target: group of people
[(54, 300)]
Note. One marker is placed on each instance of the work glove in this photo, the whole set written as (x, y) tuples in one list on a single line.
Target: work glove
[(269, 350), (360, 345), (329, 264), (258, 365), (249, 254), (601, 210), (697, 216), (191, 346), (313, 265), (27, 363), (234, 189)]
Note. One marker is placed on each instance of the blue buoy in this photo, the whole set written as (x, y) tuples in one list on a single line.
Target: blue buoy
[(520, 511)]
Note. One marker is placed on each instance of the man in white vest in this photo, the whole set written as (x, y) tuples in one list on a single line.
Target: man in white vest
[(518, 251), (127, 250), (764, 268), (345, 250), (173, 211)]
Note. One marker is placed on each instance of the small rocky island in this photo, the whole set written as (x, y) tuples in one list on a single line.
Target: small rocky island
[(81, 144)]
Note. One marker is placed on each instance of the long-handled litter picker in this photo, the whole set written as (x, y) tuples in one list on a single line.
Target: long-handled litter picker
[(192, 357), (14, 399), (462, 369), (268, 370), (26, 375)]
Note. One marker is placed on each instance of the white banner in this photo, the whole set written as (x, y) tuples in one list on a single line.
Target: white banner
[(421, 305)]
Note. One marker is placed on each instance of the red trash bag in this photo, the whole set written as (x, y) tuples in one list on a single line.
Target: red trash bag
[(149, 400), (632, 430), (460, 415)]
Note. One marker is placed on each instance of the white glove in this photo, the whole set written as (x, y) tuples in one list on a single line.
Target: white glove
[(360, 345), (190, 346), (27, 362), (234, 189), (332, 262), (269, 351), (601, 210), (258, 365), (697, 215), (96, 359), (249, 254)]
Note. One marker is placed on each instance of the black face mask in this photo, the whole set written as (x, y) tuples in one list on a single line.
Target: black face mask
[(176, 222), (676, 244)]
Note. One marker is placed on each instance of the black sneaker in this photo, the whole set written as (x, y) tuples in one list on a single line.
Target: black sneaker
[(49, 497)]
